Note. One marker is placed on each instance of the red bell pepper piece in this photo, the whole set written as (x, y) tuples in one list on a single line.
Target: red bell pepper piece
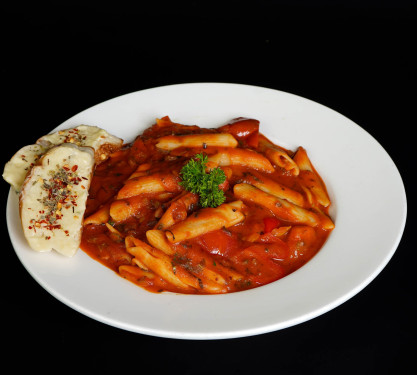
[(270, 223)]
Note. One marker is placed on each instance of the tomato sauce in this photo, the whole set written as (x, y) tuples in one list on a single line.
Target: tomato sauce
[(259, 250)]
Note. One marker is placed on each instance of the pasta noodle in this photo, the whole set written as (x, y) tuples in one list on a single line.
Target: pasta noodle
[(206, 220), (310, 178), (101, 216), (178, 210), (158, 240), (157, 183), (270, 186), (153, 229), (241, 157), (172, 142), (282, 209), (278, 155)]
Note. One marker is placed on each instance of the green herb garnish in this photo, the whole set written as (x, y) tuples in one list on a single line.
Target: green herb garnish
[(206, 185)]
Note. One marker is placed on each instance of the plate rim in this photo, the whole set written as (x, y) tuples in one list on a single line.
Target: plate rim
[(242, 332)]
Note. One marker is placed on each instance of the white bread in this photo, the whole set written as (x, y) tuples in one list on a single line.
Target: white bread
[(103, 143), (99, 139), (53, 199), (17, 168)]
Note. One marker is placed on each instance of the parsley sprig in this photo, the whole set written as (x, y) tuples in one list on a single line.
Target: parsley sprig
[(206, 185)]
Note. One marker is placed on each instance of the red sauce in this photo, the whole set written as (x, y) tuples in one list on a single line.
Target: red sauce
[(244, 255)]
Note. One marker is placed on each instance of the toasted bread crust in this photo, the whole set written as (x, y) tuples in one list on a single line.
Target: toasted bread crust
[(99, 139)]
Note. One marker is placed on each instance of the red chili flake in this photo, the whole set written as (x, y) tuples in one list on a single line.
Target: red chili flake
[(74, 168), (66, 167), (84, 178)]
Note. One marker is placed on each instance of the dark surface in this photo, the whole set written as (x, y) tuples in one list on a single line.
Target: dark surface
[(356, 59)]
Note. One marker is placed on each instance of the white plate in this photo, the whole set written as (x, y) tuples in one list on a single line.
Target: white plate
[(362, 180)]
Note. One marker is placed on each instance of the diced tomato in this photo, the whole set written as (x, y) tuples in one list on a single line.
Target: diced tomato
[(219, 242), (277, 250), (244, 130), (270, 223), (301, 240), (262, 263), (252, 140)]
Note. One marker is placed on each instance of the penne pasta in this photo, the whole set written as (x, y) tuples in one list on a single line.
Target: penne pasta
[(166, 267), (206, 211), (310, 178), (325, 220), (114, 232), (142, 170), (172, 142), (157, 183), (228, 273), (123, 209), (211, 281), (178, 210), (140, 185), (206, 220), (281, 208), (146, 169), (273, 187), (240, 157), (101, 216), (277, 155), (309, 196), (159, 241), (158, 262), (136, 206), (135, 273)]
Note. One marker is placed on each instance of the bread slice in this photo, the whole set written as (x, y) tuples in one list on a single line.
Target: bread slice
[(99, 139), (103, 143), (53, 199), (17, 168)]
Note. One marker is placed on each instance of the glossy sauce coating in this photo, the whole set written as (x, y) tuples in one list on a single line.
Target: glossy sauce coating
[(255, 252)]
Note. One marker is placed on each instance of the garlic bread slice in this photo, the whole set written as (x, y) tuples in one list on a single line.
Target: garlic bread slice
[(53, 199), (17, 168), (99, 139)]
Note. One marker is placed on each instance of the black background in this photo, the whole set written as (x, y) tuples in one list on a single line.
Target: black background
[(355, 57)]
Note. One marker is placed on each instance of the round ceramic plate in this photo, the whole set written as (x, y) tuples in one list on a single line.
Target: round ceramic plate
[(361, 178)]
